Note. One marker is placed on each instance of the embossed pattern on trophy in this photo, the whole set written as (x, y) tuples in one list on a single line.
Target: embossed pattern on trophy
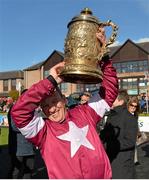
[(82, 51), (81, 44)]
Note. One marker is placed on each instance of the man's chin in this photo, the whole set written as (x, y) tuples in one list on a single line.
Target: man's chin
[(56, 120)]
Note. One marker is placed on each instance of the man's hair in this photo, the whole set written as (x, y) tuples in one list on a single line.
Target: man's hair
[(86, 93), (123, 95)]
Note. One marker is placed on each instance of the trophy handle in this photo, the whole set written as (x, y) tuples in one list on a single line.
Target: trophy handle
[(104, 49), (114, 33)]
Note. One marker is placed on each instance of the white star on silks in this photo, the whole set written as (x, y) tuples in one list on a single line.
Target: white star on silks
[(77, 137)]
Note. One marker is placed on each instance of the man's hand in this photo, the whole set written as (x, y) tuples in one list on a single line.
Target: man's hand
[(56, 70), (103, 50), (101, 36)]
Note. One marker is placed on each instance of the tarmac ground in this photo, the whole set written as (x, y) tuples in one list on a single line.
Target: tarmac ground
[(142, 170)]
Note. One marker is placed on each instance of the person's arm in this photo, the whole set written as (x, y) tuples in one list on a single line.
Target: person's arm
[(109, 86), (23, 110), (108, 92), (14, 128), (10, 121)]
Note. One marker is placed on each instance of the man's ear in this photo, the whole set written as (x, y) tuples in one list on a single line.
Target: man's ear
[(121, 102)]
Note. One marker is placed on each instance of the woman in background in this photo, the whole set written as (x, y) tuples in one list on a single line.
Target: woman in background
[(133, 108)]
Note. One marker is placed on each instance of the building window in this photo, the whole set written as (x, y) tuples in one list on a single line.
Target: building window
[(134, 83), (146, 66), (80, 87), (142, 85), (46, 74), (87, 87), (124, 84), (63, 87), (5, 85), (119, 83), (132, 66), (13, 84), (129, 83), (91, 87), (124, 68), (142, 82)]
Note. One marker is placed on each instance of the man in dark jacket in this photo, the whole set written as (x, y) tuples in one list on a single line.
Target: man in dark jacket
[(21, 152), (119, 135)]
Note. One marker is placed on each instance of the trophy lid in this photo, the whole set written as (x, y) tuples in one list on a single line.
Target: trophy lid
[(85, 15)]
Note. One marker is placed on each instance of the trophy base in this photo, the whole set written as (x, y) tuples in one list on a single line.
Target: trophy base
[(80, 77)]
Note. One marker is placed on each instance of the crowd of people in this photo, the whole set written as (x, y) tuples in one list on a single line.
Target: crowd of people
[(67, 138), (5, 103)]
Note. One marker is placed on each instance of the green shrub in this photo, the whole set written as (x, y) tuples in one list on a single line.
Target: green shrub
[(14, 94), (144, 114), (3, 113)]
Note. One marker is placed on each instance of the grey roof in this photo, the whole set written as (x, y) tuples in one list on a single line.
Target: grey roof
[(40, 64), (35, 66), (18, 74), (113, 49), (60, 53), (143, 46)]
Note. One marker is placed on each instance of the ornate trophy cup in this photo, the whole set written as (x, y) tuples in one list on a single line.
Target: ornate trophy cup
[(83, 51)]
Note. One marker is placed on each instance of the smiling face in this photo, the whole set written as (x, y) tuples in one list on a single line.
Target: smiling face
[(54, 107), (132, 107), (84, 99)]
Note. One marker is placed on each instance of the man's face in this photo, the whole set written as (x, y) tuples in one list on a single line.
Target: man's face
[(54, 107), (84, 98)]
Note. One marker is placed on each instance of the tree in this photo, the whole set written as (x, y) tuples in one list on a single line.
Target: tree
[(14, 94)]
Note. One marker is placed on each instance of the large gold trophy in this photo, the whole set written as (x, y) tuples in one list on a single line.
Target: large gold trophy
[(83, 51)]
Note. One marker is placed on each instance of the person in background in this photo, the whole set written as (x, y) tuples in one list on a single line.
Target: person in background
[(143, 103), (21, 152), (133, 108), (85, 97), (67, 138), (3, 102), (119, 136)]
